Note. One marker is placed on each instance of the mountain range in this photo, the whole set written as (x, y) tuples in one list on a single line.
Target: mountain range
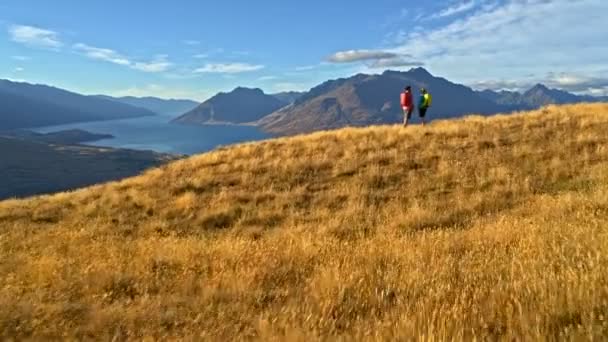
[(363, 100), (535, 97), (359, 100), (242, 105), (167, 107), (289, 97), (27, 105)]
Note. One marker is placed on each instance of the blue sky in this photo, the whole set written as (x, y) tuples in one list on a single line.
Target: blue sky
[(193, 49)]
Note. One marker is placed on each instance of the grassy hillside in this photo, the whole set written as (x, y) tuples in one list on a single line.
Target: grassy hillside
[(489, 228)]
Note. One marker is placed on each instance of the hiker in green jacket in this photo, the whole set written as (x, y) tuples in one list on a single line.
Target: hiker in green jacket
[(423, 104)]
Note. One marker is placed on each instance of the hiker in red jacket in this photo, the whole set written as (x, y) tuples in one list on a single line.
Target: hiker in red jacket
[(407, 103)]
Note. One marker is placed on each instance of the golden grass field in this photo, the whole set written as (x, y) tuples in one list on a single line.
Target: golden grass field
[(480, 228)]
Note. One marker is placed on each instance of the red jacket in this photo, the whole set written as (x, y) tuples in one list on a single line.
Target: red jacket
[(407, 100)]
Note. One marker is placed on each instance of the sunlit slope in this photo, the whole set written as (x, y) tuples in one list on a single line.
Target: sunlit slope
[(477, 227)]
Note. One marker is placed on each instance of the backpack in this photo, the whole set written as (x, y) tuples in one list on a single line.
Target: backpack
[(429, 99)]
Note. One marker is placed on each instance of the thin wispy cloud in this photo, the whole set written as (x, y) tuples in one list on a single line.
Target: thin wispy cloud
[(179, 73), (289, 86), (159, 64), (351, 56), (307, 67), (228, 68), (455, 9), (268, 78), (578, 83), (154, 66), (403, 17), (498, 85), (19, 69), (34, 36), (102, 54), (16, 80), (21, 58), (209, 53), (514, 38)]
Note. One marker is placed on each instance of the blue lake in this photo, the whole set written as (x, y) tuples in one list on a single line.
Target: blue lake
[(157, 134)]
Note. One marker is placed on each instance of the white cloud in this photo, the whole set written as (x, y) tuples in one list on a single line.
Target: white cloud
[(21, 58), (351, 56), (516, 38), (375, 59), (180, 74), (106, 55), (497, 85), (19, 69), (34, 36), (577, 82), (159, 64), (267, 78), (228, 68), (209, 53), (403, 17), (307, 67), (599, 91), (457, 8), (16, 80), (289, 86)]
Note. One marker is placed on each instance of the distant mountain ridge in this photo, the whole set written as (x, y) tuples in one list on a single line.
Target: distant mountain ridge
[(242, 105), (537, 96), (364, 100), (359, 100), (25, 105), (168, 107)]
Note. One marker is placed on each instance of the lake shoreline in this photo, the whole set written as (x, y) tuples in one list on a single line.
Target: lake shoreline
[(159, 134)]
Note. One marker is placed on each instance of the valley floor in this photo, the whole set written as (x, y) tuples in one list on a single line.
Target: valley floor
[(480, 228)]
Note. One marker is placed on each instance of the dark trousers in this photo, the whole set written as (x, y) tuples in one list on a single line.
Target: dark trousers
[(422, 111)]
